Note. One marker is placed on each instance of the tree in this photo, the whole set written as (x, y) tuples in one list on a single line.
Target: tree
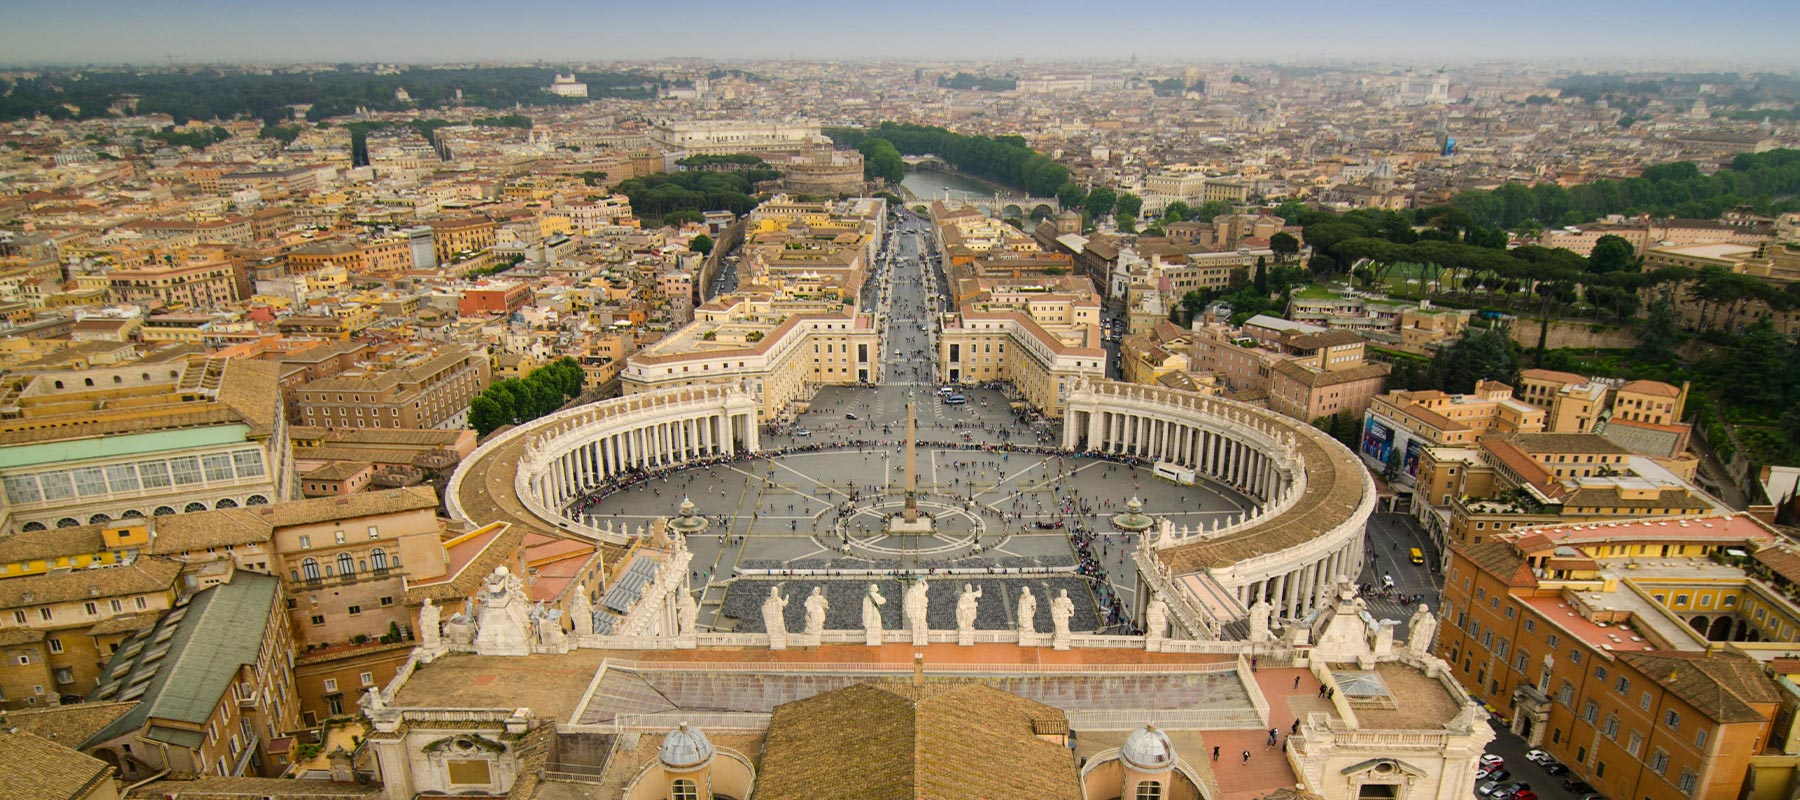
[(1099, 202), (1261, 282), (1612, 254), (1070, 196), (486, 415), (1129, 205), (881, 161), (1659, 333), (701, 244), (1284, 245), (1481, 354), (1176, 211)]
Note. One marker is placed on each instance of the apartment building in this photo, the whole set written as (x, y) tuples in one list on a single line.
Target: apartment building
[(64, 614), (779, 350), (1630, 651), (200, 281), (1302, 371), (461, 235), (429, 389), (141, 439), (214, 693), (1406, 422)]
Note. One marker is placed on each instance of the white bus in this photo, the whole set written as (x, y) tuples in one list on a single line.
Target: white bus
[(1171, 471)]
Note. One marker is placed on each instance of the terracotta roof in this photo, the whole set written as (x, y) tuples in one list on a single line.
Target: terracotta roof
[(181, 533), (1314, 378), (51, 543), (140, 577), (1656, 388), (1566, 443), (1497, 558), (217, 788), (1551, 375), (38, 768), (71, 724), (938, 740), (1721, 685)]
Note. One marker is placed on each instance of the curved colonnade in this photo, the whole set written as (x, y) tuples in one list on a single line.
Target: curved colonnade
[(527, 475), (1314, 498)]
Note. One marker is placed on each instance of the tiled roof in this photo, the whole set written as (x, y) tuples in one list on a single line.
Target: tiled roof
[(941, 741), (35, 767), (70, 724), (1721, 685), (141, 576), (217, 788), (52, 543), (181, 533)]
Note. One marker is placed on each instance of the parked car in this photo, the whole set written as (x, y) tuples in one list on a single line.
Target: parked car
[(849, 416), (1525, 794), (1537, 756), (1577, 785), (1554, 768), (1481, 774), (1487, 789), (802, 432)]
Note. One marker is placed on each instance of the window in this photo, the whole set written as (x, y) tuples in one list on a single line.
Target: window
[(1644, 701), (56, 645), (310, 569), (1553, 641), (1700, 738), (1610, 728), (318, 619), (91, 609), (117, 606), (141, 603), (331, 684), (354, 610), (1589, 711), (1659, 761), (387, 601), (367, 678), (1574, 656), (1599, 673), (1686, 782), (19, 617), (687, 790), (1531, 626), (346, 565), (378, 559), (1636, 744), (1673, 720), (1149, 790), (305, 542)]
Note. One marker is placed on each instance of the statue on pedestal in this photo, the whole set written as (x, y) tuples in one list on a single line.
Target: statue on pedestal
[(1419, 631), (968, 606), (1027, 617), (503, 625), (428, 625), (1260, 611), (1156, 620), (1061, 610), (581, 612), (914, 605), (687, 613), (871, 615), (774, 614), (816, 606)]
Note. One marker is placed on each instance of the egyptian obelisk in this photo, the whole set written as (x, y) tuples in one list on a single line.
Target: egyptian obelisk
[(911, 513)]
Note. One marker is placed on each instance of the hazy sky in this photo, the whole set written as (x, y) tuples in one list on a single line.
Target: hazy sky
[(152, 31)]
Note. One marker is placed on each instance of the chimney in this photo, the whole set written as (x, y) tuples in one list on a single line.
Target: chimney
[(918, 669)]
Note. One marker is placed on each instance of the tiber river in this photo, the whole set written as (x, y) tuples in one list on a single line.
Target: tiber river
[(931, 185)]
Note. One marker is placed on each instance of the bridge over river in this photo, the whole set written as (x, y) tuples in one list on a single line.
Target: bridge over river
[(931, 178)]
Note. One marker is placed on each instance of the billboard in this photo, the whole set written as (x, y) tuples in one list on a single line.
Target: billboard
[(1377, 439)]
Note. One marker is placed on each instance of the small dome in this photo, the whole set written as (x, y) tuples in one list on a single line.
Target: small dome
[(685, 747), (1148, 750)]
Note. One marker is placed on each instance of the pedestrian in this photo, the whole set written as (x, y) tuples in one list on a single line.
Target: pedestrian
[(1246, 756), (1296, 681), (1253, 663), (1215, 752), (1321, 690), (1294, 728), (1330, 694)]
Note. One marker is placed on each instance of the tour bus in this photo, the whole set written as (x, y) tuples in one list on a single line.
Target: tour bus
[(1170, 471), (955, 400)]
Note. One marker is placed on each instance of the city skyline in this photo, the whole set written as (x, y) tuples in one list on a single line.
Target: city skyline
[(196, 31)]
